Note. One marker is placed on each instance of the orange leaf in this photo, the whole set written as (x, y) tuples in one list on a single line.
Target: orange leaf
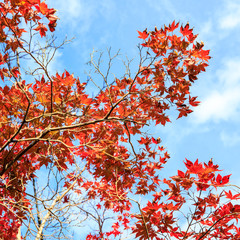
[(143, 35)]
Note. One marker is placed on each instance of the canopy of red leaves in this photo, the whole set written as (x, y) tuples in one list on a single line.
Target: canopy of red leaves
[(56, 111)]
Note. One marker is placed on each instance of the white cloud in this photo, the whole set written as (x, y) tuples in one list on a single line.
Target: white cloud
[(56, 64), (79, 15), (74, 13), (208, 33), (70, 9), (223, 103), (73, 8), (165, 7), (219, 106), (220, 24), (230, 139), (230, 15), (206, 28)]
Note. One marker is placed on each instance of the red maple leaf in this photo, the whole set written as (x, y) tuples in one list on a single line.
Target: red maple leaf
[(143, 35), (42, 29)]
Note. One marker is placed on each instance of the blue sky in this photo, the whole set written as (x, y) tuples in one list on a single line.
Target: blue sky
[(213, 130)]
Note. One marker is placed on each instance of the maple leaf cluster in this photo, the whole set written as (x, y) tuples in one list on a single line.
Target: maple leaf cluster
[(14, 12), (195, 187), (52, 121)]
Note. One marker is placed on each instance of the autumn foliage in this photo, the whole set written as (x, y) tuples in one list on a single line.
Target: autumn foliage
[(98, 143)]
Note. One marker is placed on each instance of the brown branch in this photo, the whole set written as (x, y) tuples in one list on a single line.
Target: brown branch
[(209, 229)]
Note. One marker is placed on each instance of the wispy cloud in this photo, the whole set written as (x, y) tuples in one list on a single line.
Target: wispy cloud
[(56, 64), (79, 15), (166, 7), (74, 13), (229, 16), (230, 138), (223, 102)]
